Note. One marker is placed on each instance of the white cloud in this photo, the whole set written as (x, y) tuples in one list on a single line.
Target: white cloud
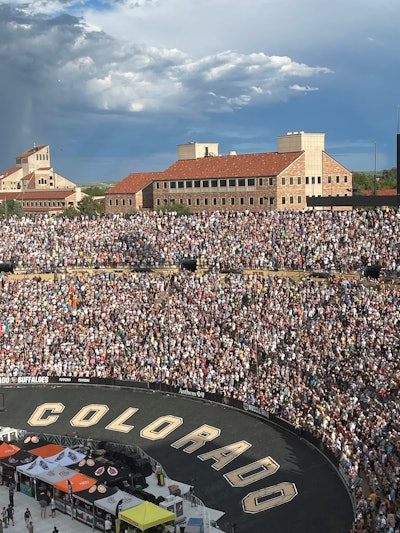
[(105, 74), (303, 88)]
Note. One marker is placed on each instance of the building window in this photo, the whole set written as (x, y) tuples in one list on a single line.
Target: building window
[(165, 201), (180, 184), (197, 184), (214, 201), (181, 200), (261, 200), (251, 182), (130, 201), (242, 201), (110, 202), (232, 201), (260, 182), (116, 201), (319, 179), (283, 180), (165, 185), (242, 182), (214, 183), (206, 183), (123, 202), (329, 179), (157, 185), (291, 199), (158, 201), (291, 180), (345, 179), (223, 201), (197, 201), (222, 183), (189, 202), (337, 179), (232, 183), (313, 180), (283, 200), (172, 201), (205, 201), (189, 185), (299, 199), (172, 185), (251, 200), (298, 180), (307, 180)]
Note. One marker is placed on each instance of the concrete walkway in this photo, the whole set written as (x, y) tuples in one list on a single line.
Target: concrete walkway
[(63, 522)]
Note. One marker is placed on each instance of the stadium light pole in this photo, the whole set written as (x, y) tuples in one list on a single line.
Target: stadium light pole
[(375, 168)]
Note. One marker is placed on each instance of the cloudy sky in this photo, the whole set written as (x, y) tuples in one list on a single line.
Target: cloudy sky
[(113, 86)]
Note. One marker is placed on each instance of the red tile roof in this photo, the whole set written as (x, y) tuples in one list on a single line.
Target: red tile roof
[(135, 182), (32, 151), (29, 176), (8, 172), (36, 195), (263, 164)]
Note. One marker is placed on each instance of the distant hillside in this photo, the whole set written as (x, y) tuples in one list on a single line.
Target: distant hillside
[(102, 184)]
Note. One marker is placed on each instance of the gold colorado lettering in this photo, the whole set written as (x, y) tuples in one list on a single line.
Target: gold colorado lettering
[(161, 427), (252, 472), (89, 415), (198, 438), (118, 423), (268, 498), (38, 417), (226, 454)]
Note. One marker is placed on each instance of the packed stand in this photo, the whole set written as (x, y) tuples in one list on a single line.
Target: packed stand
[(271, 240), (322, 355)]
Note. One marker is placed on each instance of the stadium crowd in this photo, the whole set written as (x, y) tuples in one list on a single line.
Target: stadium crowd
[(321, 354), (342, 241)]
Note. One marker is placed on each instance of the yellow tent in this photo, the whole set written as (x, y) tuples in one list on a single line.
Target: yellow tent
[(146, 515)]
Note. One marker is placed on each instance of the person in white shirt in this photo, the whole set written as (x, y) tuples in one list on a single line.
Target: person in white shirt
[(107, 525)]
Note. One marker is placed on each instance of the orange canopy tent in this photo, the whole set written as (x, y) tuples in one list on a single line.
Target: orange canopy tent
[(77, 483), (48, 450), (6, 450)]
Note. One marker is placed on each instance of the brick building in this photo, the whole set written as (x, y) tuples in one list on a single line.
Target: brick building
[(203, 180), (36, 186)]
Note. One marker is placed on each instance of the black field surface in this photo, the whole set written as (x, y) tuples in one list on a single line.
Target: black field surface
[(319, 502)]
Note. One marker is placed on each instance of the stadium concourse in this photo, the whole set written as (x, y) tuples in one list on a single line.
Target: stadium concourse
[(62, 522), (46, 519)]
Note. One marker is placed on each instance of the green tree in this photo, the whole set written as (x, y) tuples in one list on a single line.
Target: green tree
[(363, 181), (89, 206), (70, 212), (95, 190), (11, 207), (388, 179), (385, 179)]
